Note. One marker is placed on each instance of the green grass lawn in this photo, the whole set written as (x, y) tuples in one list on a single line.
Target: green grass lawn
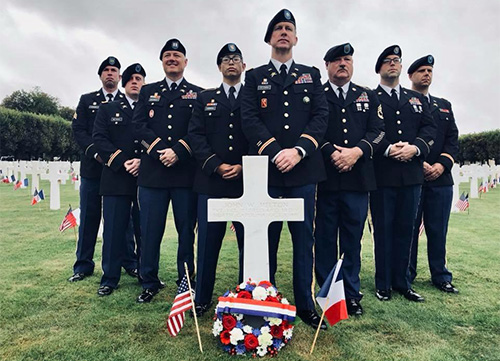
[(44, 317)]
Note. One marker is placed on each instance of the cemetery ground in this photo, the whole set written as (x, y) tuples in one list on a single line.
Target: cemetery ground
[(44, 317)]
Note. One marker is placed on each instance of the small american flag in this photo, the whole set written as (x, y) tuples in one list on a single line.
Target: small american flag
[(182, 303), (69, 221), (463, 202), (421, 228)]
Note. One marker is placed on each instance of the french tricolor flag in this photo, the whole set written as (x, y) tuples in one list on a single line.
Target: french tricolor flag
[(331, 296)]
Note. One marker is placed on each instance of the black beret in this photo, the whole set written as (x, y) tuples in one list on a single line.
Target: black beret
[(228, 49), (131, 70), (338, 50), (110, 60), (282, 16), (425, 60), (391, 50), (173, 44)]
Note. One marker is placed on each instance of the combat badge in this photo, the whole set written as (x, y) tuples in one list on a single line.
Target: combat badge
[(379, 112)]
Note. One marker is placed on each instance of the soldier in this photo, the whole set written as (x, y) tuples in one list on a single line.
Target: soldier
[(284, 116), (437, 191), (409, 135), (114, 137), (90, 172), (167, 166), (218, 144), (355, 130)]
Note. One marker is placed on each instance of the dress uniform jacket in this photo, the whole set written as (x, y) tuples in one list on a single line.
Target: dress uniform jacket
[(216, 137), (161, 117), (278, 115), (83, 124), (355, 122), (115, 138), (410, 121), (445, 148)]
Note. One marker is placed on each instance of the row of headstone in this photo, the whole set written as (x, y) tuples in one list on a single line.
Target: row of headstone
[(59, 172)]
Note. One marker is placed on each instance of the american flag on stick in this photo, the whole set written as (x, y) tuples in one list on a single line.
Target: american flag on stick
[(182, 303)]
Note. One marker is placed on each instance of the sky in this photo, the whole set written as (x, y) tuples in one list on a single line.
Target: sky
[(58, 45)]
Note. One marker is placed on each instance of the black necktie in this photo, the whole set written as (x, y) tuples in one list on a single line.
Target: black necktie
[(283, 72), (428, 100), (134, 104), (110, 97), (173, 86), (341, 97), (232, 98), (394, 97)]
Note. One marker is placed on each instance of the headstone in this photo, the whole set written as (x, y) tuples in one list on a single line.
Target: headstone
[(255, 209), (54, 176)]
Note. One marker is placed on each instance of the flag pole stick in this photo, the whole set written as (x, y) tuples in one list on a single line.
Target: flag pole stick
[(319, 326), (192, 305)]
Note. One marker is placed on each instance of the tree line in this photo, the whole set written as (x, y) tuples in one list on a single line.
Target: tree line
[(33, 125)]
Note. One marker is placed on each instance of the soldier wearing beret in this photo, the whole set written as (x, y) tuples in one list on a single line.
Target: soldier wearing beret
[(355, 130), (91, 169), (284, 116), (218, 144), (409, 136), (437, 190), (167, 166), (114, 137)]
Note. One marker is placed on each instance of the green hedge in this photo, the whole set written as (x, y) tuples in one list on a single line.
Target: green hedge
[(29, 136), (479, 147)]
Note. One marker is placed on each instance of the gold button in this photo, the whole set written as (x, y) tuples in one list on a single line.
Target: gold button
[(286, 115), (286, 126), (169, 126), (169, 138), (190, 105), (286, 104), (230, 148), (343, 110), (231, 126), (346, 141), (305, 90), (116, 122), (345, 130), (285, 92), (171, 106), (209, 114), (169, 116), (232, 114), (398, 122), (230, 136), (397, 112), (263, 92), (400, 132), (344, 120)]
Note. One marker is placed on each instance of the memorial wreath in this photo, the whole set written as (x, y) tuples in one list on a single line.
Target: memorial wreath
[(254, 319)]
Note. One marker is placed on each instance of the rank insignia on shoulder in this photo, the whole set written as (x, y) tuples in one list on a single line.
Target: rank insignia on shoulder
[(75, 116), (415, 101), (444, 110), (190, 95), (304, 79), (154, 98), (151, 113), (263, 103), (379, 112)]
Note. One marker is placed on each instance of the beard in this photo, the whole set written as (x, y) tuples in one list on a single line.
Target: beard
[(110, 84)]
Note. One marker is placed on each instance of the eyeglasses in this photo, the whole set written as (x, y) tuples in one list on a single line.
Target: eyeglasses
[(235, 59), (392, 60)]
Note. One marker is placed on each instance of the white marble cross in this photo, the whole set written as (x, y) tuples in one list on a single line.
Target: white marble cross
[(54, 176), (255, 209)]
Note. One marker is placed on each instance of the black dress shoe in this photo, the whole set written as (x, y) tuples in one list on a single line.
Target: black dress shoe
[(78, 277), (383, 295), (201, 308), (311, 318), (411, 295), (105, 291), (447, 287), (354, 307), (147, 295), (161, 285), (133, 272)]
